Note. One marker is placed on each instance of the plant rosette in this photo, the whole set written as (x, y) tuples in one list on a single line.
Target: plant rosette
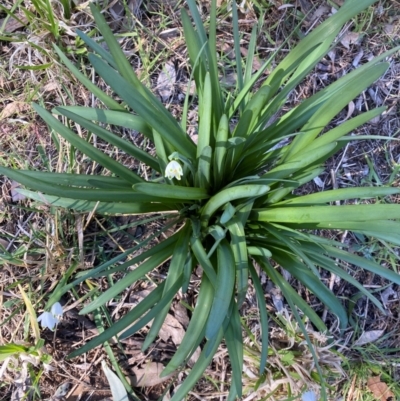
[(230, 195)]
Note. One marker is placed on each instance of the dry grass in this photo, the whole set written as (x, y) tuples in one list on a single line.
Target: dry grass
[(39, 243)]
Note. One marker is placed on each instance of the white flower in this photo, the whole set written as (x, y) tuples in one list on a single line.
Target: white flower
[(309, 396), (57, 310), (51, 319), (47, 320), (173, 170)]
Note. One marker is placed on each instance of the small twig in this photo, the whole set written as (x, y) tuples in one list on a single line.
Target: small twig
[(344, 235), (80, 380), (342, 158), (223, 371), (19, 231)]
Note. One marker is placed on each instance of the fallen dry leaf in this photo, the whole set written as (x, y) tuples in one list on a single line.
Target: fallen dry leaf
[(318, 182), (117, 10), (350, 38), (385, 295), (369, 337), (148, 375), (13, 24), (171, 328), (15, 195), (350, 110), (180, 313), (379, 389), (134, 6), (4, 245), (229, 80), (51, 86), (166, 81), (388, 28), (320, 12), (257, 64), (14, 108), (306, 6)]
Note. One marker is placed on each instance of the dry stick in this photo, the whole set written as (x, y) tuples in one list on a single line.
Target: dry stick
[(110, 236), (350, 394), (292, 383), (197, 396), (221, 397), (80, 380), (20, 228), (79, 229), (344, 235)]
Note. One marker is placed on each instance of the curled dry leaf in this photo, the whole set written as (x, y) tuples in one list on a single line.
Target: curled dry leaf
[(375, 97), (15, 195), (22, 383), (385, 295), (357, 58), (166, 81), (379, 389), (277, 299), (350, 38), (180, 313), (350, 111)]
